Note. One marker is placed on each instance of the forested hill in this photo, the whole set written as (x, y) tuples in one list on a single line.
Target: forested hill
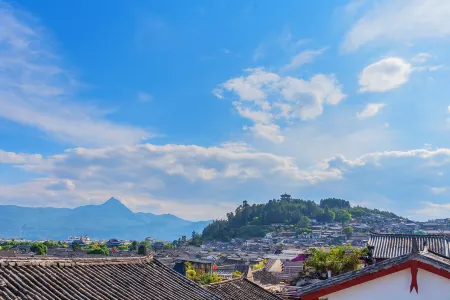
[(254, 220)]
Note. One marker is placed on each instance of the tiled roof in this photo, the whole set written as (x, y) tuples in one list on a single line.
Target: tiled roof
[(427, 257), (98, 278), (269, 264), (265, 277), (240, 289), (393, 245)]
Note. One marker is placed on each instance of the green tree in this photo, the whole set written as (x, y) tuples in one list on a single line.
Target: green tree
[(123, 248), (339, 259), (343, 216), (142, 250), (305, 222), (348, 231), (237, 273), (97, 248), (133, 245), (76, 246), (39, 248), (259, 265), (200, 276), (51, 244)]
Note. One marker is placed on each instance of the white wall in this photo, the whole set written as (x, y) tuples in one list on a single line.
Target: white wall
[(396, 286)]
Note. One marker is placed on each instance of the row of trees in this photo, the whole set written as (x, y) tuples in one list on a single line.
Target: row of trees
[(100, 248), (254, 220)]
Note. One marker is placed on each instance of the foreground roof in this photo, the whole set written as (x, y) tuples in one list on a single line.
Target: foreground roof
[(240, 289), (393, 245), (425, 258), (95, 278)]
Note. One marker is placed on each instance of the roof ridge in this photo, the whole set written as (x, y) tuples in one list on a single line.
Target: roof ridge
[(226, 281), (13, 261)]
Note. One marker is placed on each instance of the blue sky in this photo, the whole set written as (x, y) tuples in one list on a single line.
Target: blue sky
[(190, 108)]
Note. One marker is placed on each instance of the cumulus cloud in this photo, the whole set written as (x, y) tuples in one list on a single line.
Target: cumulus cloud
[(399, 21), (37, 91), (149, 175), (59, 185), (144, 177), (269, 99), (370, 110), (384, 75), (19, 158)]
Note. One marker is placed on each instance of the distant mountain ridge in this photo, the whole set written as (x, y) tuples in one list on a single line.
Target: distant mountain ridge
[(111, 219)]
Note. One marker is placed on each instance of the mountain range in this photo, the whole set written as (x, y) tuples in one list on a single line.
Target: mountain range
[(111, 219)]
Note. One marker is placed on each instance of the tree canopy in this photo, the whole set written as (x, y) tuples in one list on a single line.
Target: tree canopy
[(39, 248), (255, 220), (339, 259)]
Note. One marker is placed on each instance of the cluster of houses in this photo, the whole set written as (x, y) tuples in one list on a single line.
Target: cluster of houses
[(406, 260), (328, 234), (398, 266)]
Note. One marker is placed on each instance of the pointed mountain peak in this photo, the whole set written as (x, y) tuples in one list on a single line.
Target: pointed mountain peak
[(115, 205), (113, 201)]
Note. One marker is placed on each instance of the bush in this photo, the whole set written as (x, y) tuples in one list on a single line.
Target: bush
[(339, 260), (237, 273), (142, 250), (260, 265), (98, 249), (133, 245), (39, 248)]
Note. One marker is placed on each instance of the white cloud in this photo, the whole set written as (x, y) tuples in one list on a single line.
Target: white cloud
[(268, 99), (59, 185), (370, 110), (303, 57), (229, 52), (259, 53), (35, 90), (399, 21), (430, 210), (144, 97), (438, 190), (19, 158), (269, 132), (144, 175), (384, 75), (421, 57), (354, 6)]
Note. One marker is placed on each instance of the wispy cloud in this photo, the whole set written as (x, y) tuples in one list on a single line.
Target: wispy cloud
[(303, 57), (399, 21), (36, 90), (370, 110), (144, 97), (229, 52)]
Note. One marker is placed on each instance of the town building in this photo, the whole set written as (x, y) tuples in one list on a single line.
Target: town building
[(393, 245), (240, 289), (99, 278)]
